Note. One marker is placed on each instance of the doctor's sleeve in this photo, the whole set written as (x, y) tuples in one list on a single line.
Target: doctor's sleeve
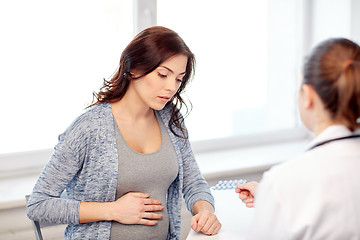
[(268, 221)]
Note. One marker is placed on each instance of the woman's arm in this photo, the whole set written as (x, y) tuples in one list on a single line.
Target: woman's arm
[(195, 187), (132, 208), (201, 206), (45, 203), (197, 195)]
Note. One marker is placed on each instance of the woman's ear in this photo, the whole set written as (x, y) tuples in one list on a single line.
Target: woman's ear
[(135, 74)]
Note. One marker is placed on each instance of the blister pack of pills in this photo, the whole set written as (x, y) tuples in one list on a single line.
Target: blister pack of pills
[(228, 184)]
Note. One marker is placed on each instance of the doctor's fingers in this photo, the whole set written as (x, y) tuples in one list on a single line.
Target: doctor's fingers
[(251, 187), (250, 205), (249, 202), (245, 197)]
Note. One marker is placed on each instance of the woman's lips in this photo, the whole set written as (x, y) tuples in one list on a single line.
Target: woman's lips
[(164, 98)]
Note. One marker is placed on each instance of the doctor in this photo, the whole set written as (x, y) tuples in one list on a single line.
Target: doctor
[(317, 194)]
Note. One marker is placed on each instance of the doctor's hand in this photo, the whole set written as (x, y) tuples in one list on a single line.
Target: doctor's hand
[(246, 192), (205, 220)]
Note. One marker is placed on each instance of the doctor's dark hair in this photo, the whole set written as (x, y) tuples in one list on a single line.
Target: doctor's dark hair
[(144, 54), (333, 70)]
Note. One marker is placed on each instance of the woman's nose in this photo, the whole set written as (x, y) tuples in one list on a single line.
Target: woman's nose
[(172, 85)]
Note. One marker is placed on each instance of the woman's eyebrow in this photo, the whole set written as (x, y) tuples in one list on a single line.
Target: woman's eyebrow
[(172, 70)]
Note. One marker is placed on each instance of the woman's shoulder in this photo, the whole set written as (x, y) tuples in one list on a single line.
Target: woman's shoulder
[(93, 117)]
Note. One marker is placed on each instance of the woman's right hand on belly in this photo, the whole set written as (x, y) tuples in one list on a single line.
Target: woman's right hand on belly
[(136, 208)]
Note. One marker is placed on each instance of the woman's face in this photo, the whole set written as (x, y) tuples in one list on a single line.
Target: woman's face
[(158, 87)]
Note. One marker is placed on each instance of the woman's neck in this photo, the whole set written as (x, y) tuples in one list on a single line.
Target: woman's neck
[(131, 110)]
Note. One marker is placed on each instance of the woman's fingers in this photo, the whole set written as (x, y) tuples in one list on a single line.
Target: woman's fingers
[(148, 222), (149, 218), (206, 223), (153, 208), (214, 229), (151, 201), (152, 215)]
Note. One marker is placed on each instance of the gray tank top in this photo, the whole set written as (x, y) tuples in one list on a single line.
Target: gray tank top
[(150, 173)]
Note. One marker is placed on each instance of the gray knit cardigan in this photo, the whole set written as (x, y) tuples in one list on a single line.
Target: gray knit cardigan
[(85, 163)]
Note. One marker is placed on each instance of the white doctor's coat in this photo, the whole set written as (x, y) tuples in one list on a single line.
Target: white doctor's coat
[(314, 196)]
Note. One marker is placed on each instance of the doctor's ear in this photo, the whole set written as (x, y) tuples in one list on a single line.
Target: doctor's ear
[(307, 93)]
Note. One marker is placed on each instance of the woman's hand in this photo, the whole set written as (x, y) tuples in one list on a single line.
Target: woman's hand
[(137, 208), (247, 192), (132, 208), (205, 220)]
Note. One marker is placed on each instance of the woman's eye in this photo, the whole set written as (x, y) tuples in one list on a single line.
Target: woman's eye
[(179, 80), (162, 75)]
